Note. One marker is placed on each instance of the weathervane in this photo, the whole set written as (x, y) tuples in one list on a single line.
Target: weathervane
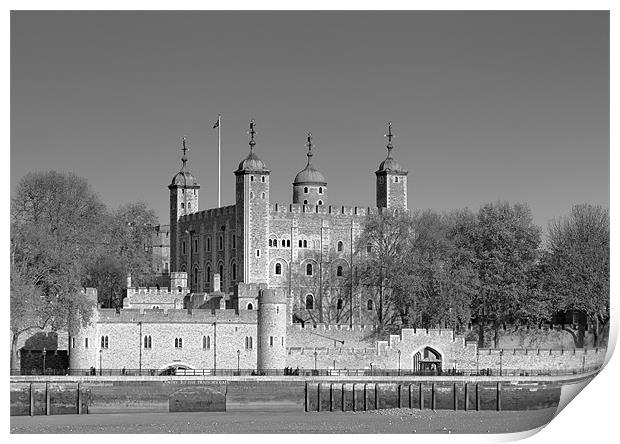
[(184, 149), (389, 136), (252, 132), (309, 145)]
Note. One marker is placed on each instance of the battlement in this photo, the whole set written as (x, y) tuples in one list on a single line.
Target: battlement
[(332, 327), (198, 316), (208, 214), (539, 351), (321, 209), (154, 291), (331, 351)]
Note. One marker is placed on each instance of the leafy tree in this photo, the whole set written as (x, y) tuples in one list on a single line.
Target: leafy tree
[(55, 227), (577, 264), (505, 246)]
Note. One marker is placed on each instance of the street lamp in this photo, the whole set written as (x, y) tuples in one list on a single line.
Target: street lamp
[(238, 357), (371, 364), (100, 358), (44, 355), (501, 353), (398, 362), (315, 360)]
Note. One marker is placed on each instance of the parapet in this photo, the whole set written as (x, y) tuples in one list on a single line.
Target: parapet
[(354, 327), (272, 296), (208, 214), (198, 316), (277, 208), (243, 290)]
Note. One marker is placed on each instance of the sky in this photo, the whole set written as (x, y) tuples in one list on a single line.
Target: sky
[(485, 106)]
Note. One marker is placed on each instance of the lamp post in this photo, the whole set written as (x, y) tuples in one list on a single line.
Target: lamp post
[(477, 361), (371, 364), (140, 347), (501, 353), (398, 362), (100, 359), (315, 360), (238, 357), (44, 356)]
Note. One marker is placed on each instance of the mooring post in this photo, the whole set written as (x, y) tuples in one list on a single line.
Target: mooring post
[(31, 399), (499, 396), (47, 399)]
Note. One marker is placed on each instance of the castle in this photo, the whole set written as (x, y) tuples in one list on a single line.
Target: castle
[(241, 274)]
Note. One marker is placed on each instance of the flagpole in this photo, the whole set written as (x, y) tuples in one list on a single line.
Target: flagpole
[(219, 158)]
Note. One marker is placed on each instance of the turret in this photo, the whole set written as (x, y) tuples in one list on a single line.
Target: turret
[(252, 217), (184, 191), (391, 180), (271, 329), (309, 186)]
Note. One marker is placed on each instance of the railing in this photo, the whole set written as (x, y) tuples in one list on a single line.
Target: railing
[(306, 372)]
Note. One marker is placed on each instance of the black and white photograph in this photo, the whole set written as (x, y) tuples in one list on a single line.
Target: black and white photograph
[(307, 222)]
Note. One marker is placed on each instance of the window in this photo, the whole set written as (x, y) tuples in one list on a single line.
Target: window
[(183, 247), (234, 241), (234, 271), (179, 289), (209, 243), (248, 342), (396, 179), (251, 195), (278, 269), (339, 304), (189, 205), (305, 202), (104, 342), (270, 341), (165, 267), (305, 190), (85, 342), (283, 243), (257, 253), (270, 243), (301, 244), (308, 269), (206, 342), (148, 342), (250, 306), (195, 275), (251, 178), (368, 248), (72, 342), (320, 202), (208, 277), (195, 246), (262, 179), (288, 243), (221, 242), (305, 244), (320, 190), (340, 246), (262, 195), (182, 205), (178, 343), (339, 271), (309, 302), (221, 272), (370, 304)]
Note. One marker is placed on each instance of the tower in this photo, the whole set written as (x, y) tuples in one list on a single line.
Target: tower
[(252, 216), (391, 180), (271, 329), (309, 186), (184, 190)]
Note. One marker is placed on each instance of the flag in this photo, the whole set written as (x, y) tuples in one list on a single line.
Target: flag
[(217, 123)]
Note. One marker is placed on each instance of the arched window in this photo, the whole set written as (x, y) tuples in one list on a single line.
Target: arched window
[(204, 342), (370, 304), (250, 306), (178, 343), (234, 271), (195, 275), (339, 270), (340, 246), (283, 243), (234, 241), (148, 342), (104, 342), (270, 243), (306, 190), (208, 277), (309, 302), (221, 272), (288, 242), (221, 242), (305, 202), (368, 248), (189, 205), (305, 244), (301, 244), (183, 247), (396, 179), (195, 246), (262, 179), (250, 342), (85, 342), (179, 289), (262, 195), (251, 178), (308, 269), (208, 342), (182, 205), (320, 202), (320, 191), (278, 268), (339, 304), (209, 244)]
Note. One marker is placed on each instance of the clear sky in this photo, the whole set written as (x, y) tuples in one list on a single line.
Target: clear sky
[(485, 105)]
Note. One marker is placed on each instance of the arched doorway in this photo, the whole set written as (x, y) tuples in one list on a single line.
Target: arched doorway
[(427, 360)]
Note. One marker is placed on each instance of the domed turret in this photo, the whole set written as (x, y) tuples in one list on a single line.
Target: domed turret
[(309, 186), (183, 178), (391, 180), (252, 162)]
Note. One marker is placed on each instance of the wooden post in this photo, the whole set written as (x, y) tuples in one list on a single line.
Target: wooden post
[(455, 397), (353, 395), (499, 396), (331, 397), (466, 396), (433, 401), (47, 399), (477, 398), (31, 399)]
